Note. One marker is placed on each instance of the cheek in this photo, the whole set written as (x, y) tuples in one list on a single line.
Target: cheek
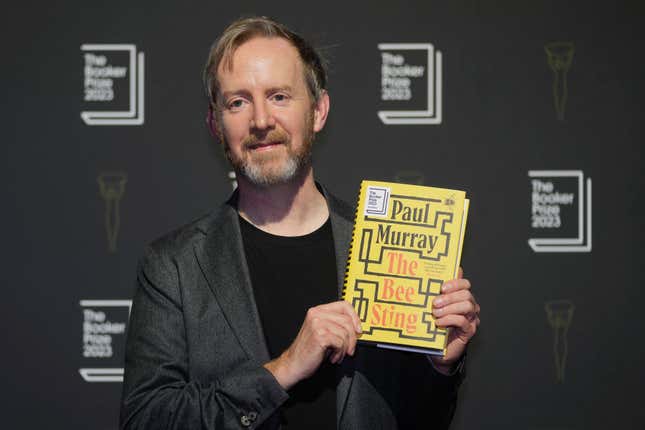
[(294, 124), (235, 127)]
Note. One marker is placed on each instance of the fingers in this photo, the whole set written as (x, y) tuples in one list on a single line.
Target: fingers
[(460, 322), (456, 291), (455, 285), (444, 300), (456, 306), (345, 308), (464, 307), (333, 339), (335, 332), (329, 331), (343, 325), (336, 325)]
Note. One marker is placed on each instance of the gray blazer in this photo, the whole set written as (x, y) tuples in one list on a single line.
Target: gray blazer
[(195, 345)]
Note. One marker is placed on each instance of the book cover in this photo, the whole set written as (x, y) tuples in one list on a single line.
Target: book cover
[(407, 241)]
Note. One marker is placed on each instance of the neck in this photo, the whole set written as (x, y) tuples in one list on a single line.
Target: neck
[(294, 208)]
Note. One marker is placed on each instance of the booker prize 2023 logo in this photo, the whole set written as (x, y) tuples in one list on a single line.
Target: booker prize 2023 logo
[(104, 327), (411, 85), (560, 211), (113, 84)]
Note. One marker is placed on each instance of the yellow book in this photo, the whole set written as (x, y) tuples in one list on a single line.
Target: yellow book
[(406, 242)]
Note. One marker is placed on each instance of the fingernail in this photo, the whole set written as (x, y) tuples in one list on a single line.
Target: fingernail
[(437, 312), (438, 302), (445, 287), (359, 329)]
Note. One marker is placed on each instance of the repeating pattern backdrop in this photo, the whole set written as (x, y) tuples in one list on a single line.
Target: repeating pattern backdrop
[(534, 108)]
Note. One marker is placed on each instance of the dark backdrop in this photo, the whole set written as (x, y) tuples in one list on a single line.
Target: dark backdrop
[(560, 341)]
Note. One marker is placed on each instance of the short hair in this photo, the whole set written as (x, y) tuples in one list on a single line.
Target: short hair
[(245, 29)]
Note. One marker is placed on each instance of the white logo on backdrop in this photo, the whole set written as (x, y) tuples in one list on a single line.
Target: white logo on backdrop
[(102, 326), (100, 76), (547, 204), (397, 77)]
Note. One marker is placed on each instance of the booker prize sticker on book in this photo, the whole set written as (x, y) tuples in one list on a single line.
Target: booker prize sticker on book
[(406, 242)]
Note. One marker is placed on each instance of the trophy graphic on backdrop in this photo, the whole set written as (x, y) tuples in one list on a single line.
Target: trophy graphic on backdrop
[(559, 314), (409, 177), (559, 56), (112, 187)]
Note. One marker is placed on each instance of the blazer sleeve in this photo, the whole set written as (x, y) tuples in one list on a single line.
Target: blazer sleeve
[(158, 391)]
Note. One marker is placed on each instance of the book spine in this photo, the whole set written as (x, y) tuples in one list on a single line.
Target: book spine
[(351, 243)]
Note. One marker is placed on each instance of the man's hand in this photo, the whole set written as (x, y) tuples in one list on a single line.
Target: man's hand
[(329, 330), (457, 309)]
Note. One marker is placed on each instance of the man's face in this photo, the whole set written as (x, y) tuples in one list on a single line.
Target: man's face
[(267, 122)]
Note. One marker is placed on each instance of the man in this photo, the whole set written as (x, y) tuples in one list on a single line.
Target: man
[(236, 321)]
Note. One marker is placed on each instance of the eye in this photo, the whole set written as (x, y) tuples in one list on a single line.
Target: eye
[(235, 104), (280, 98)]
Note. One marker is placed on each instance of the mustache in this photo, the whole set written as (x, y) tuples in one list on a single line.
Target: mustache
[(272, 136)]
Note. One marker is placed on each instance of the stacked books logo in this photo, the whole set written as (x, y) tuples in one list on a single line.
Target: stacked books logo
[(104, 326), (113, 81), (411, 84), (560, 211)]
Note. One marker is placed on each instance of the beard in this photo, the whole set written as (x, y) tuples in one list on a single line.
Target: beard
[(273, 167)]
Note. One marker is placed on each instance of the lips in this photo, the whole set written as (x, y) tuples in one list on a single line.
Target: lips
[(263, 145)]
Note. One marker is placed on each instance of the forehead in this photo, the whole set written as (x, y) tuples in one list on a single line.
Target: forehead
[(262, 61)]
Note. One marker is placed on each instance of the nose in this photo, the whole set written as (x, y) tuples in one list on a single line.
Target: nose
[(262, 117)]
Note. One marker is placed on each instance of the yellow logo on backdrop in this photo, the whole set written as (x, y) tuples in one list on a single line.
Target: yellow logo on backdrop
[(559, 314), (559, 56), (112, 188)]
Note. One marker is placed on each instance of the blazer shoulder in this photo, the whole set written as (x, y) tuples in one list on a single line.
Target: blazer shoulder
[(184, 238)]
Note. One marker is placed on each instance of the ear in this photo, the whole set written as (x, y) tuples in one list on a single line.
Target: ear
[(211, 123), (321, 110)]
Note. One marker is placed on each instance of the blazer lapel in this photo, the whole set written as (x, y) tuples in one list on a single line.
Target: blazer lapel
[(222, 260), (342, 224)]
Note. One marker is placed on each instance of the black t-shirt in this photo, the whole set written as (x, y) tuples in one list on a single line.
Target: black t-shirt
[(290, 275)]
